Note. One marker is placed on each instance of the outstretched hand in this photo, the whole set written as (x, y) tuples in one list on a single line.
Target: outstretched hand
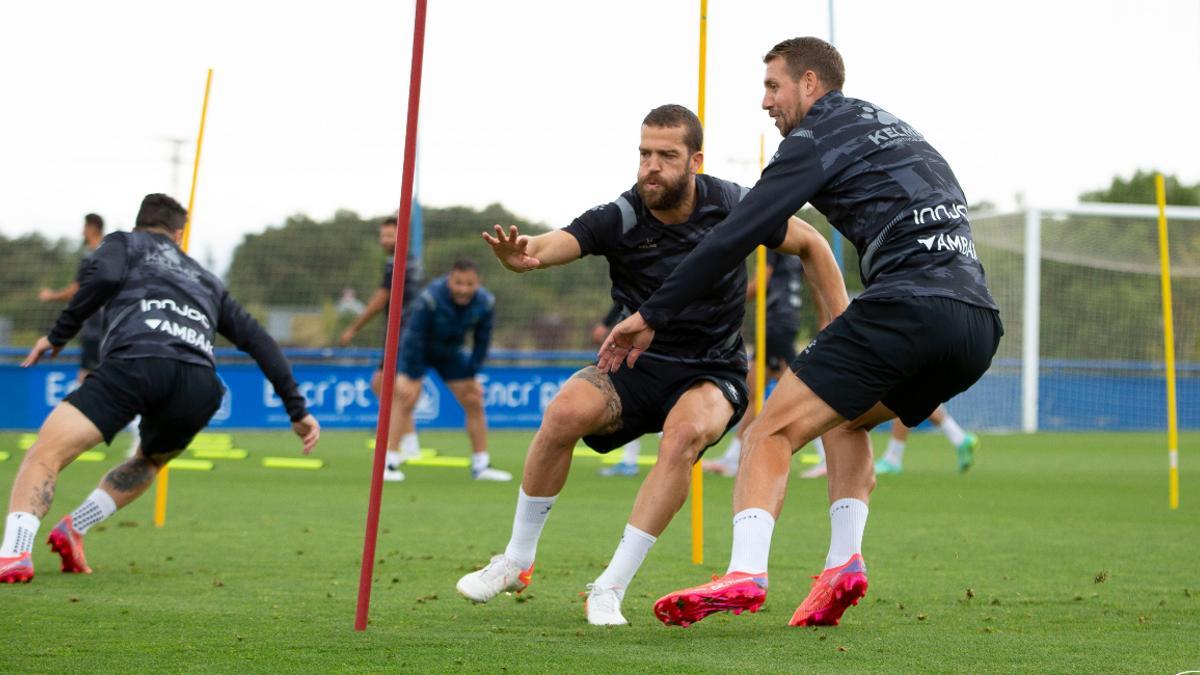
[(309, 431), (39, 350), (512, 249), (625, 342)]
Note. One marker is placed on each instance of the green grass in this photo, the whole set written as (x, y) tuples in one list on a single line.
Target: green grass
[(1056, 553)]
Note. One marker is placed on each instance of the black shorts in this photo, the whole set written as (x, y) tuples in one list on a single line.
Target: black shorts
[(89, 357), (781, 348), (651, 388), (175, 399), (911, 354)]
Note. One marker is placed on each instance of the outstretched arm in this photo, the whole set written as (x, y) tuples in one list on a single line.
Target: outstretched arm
[(522, 253), (374, 306), (61, 295), (821, 271)]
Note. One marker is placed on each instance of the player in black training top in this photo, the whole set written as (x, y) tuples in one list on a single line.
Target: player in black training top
[(402, 443), (691, 385), (784, 274), (90, 334), (924, 329), (162, 313)]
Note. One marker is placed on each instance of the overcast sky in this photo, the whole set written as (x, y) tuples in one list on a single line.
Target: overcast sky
[(537, 105)]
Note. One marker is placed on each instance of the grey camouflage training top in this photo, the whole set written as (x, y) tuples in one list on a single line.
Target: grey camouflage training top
[(879, 182)]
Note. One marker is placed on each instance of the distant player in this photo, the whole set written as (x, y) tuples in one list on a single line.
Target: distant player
[(402, 441), (785, 281), (92, 331), (163, 312), (691, 385), (963, 442), (443, 315), (628, 466), (924, 328)]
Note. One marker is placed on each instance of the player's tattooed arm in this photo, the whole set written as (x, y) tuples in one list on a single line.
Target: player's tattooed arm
[(611, 421)]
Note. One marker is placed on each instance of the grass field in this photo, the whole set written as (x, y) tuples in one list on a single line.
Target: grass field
[(1056, 553)]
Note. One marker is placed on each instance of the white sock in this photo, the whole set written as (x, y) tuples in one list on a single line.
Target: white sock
[(733, 454), (409, 444), (630, 553), (98, 506), (895, 451), (752, 530), (528, 521), (953, 432), (392, 461), (847, 520), (20, 530), (480, 461), (631, 451), (819, 445)]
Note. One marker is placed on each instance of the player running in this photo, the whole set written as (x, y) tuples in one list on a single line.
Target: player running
[(924, 329), (90, 334), (784, 275), (402, 441), (964, 443), (691, 385), (162, 312)]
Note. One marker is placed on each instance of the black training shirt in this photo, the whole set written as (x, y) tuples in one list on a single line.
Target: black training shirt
[(642, 252), (159, 302), (878, 182)]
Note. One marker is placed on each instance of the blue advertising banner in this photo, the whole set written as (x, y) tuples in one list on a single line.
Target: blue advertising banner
[(339, 396), (1077, 398)]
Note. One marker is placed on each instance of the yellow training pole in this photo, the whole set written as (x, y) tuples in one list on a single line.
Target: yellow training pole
[(697, 472), (164, 477), (1164, 257), (760, 313), (187, 227)]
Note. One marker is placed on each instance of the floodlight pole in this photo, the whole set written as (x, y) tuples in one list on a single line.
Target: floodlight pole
[(403, 219)]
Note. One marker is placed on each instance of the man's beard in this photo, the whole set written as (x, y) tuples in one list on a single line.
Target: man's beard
[(670, 195)]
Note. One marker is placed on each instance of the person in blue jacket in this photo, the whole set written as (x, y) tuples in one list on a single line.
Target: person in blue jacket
[(450, 308)]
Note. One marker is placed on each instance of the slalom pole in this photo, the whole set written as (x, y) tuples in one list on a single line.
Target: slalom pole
[(697, 471), (164, 475), (760, 311), (1164, 256), (403, 220)]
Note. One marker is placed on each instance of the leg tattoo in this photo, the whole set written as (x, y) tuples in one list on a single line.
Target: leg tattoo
[(43, 497), (612, 414), (130, 476)]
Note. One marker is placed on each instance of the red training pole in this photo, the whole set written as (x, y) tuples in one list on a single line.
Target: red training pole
[(399, 266)]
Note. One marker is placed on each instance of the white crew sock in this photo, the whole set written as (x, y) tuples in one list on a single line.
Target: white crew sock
[(631, 451), (20, 530), (409, 444), (98, 506), (752, 530), (733, 454), (954, 433), (480, 461), (630, 553), (392, 461), (895, 451), (528, 521), (847, 520)]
